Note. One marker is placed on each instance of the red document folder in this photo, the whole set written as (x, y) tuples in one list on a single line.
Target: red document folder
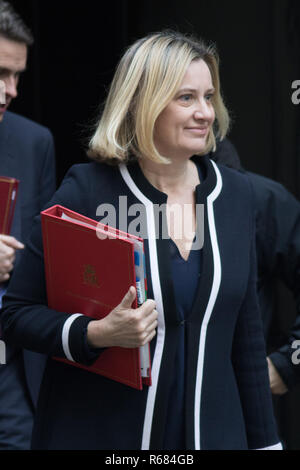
[(89, 273), (8, 197)]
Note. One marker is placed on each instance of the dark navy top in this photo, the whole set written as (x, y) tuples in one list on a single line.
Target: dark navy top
[(185, 276)]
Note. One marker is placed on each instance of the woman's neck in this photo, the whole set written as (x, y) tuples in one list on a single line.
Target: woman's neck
[(175, 176)]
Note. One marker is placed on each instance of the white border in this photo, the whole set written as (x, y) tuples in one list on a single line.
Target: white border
[(274, 447), (160, 337), (211, 303), (65, 335)]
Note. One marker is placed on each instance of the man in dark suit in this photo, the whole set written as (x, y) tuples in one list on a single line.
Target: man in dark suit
[(278, 258), (26, 153)]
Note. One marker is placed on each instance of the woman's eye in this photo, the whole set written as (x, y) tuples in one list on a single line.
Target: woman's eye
[(185, 98), (209, 97)]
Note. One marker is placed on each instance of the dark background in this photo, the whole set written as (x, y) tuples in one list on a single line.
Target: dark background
[(76, 51)]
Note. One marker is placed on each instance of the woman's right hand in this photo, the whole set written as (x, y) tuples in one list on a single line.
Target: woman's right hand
[(124, 326)]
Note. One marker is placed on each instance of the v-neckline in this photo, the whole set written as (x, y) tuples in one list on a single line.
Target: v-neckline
[(179, 255), (201, 180)]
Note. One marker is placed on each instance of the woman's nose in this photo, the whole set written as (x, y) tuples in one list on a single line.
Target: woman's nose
[(204, 111)]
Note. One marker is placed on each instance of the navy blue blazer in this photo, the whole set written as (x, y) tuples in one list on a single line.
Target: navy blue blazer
[(26, 153), (228, 401)]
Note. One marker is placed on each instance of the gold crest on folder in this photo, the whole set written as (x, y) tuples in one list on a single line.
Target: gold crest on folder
[(89, 276)]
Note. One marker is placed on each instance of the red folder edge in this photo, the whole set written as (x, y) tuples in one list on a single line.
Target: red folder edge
[(53, 214), (7, 186)]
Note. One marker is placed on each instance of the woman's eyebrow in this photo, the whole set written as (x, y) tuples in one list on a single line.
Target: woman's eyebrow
[(193, 90)]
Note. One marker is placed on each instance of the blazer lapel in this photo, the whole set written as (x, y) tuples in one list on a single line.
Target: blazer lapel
[(206, 296)]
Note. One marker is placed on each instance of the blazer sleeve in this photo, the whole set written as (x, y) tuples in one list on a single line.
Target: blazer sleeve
[(250, 365), (26, 319)]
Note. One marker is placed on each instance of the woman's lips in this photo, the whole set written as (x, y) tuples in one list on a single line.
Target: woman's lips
[(198, 130)]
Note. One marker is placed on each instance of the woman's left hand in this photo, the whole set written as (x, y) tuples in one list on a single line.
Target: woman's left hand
[(278, 387)]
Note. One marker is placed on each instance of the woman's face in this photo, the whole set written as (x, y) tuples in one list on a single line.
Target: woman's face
[(182, 128)]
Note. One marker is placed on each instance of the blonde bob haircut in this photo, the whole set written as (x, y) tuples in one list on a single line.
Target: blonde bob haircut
[(146, 80)]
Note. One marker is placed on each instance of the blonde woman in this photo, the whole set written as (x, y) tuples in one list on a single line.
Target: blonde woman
[(210, 385)]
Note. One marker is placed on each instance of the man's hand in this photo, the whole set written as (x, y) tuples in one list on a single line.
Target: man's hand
[(8, 247), (278, 387), (125, 327)]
